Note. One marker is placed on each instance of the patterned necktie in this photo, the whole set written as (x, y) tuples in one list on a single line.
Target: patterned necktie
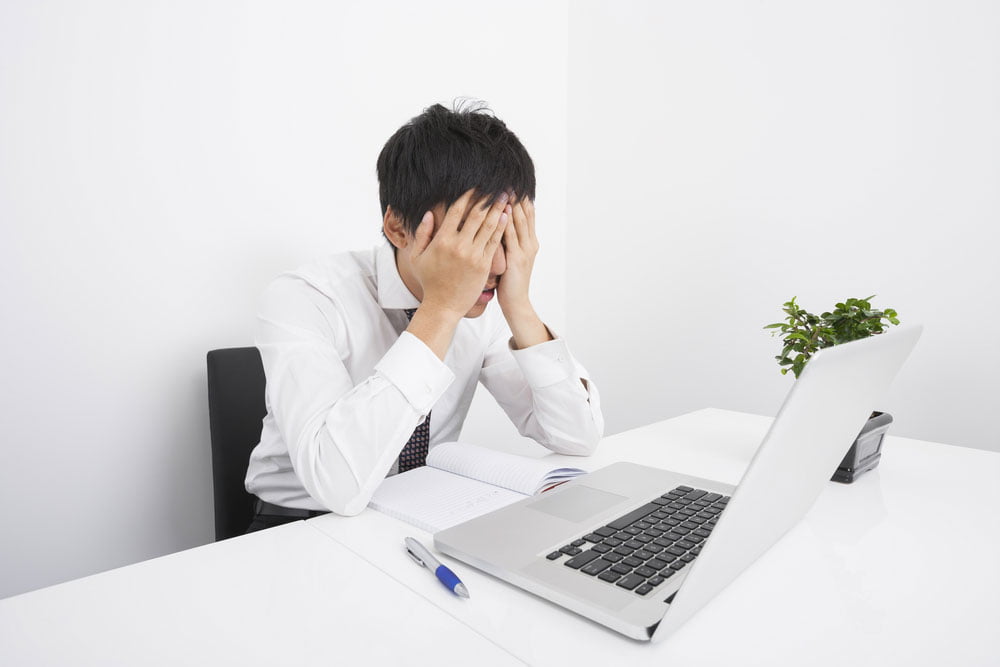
[(414, 454)]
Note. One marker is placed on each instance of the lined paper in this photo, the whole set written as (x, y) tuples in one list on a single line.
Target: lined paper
[(433, 499), (461, 482), (517, 473)]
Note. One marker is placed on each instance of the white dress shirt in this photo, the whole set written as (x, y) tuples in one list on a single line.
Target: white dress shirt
[(346, 385)]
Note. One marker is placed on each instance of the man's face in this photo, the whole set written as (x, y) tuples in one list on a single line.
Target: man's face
[(497, 269)]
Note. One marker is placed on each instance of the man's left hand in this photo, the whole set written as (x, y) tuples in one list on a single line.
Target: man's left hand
[(520, 248)]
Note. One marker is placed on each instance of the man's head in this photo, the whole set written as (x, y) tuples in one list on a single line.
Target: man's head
[(435, 158)]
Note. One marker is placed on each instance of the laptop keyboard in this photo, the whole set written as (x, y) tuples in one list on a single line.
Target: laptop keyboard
[(640, 550)]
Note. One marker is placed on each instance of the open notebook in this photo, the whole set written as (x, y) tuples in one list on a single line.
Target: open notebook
[(461, 482)]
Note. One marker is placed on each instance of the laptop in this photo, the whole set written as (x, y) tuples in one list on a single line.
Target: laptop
[(640, 549)]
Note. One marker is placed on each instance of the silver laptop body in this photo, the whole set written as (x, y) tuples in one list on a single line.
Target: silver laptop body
[(822, 414)]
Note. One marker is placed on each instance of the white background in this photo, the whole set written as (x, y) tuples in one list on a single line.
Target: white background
[(698, 164), (160, 163), (727, 156)]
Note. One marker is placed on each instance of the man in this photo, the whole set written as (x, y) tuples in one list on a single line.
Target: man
[(372, 357)]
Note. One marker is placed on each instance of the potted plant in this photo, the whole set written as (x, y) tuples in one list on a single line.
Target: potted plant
[(804, 333)]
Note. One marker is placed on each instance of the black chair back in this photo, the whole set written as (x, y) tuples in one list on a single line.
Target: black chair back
[(235, 409)]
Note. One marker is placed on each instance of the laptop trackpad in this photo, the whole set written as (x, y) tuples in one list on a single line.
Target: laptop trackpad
[(576, 503)]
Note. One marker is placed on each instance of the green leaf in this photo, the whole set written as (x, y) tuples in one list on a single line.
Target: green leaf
[(803, 333)]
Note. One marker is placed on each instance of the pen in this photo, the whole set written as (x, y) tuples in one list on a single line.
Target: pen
[(419, 553)]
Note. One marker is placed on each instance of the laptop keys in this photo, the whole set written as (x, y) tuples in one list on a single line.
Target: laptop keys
[(633, 516), (631, 581), (576, 562), (621, 568), (596, 567), (644, 548)]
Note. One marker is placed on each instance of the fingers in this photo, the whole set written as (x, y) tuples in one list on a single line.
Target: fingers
[(476, 223), (510, 235), (524, 232), (529, 211), (481, 224), (524, 226), (456, 213), (504, 224), (424, 233)]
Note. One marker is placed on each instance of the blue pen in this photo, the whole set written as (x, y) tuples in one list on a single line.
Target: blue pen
[(419, 553)]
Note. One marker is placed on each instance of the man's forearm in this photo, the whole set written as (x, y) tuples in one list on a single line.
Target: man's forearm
[(542, 390), (526, 327), (435, 327)]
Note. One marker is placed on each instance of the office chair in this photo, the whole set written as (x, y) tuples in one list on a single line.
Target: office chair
[(235, 410)]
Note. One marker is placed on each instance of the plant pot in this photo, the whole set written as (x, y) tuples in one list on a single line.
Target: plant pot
[(866, 451)]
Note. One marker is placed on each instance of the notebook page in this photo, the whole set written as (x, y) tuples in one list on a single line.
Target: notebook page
[(433, 499), (517, 473)]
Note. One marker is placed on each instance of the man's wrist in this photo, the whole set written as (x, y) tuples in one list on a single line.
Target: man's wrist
[(435, 326), (517, 309), (525, 326), (439, 312)]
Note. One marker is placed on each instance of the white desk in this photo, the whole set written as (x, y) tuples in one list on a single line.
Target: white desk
[(863, 579), (842, 587), (286, 596)]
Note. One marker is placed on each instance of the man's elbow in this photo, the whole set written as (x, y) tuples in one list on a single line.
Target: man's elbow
[(340, 503), (578, 444), (585, 442), (350, 506), (342, 499), (329, 480), (589, 445)]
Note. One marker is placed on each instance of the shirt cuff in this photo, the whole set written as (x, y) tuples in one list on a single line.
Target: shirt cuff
[(416, 371), (545, 364)]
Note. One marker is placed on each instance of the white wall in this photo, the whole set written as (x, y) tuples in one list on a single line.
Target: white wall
[(725, 156), (160, 162)]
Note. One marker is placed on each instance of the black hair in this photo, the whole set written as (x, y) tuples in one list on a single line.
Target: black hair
[(439, 155)]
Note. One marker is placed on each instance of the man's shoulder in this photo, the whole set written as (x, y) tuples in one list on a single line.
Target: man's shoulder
[(332, 273), (339, 278)]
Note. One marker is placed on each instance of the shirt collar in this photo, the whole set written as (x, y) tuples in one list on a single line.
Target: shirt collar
[(392, 291)]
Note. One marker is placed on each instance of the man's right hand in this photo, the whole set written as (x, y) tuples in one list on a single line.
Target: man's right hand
[(452, 262)]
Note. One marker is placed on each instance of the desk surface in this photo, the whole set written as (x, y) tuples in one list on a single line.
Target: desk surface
[(285, 596), (863, 579)]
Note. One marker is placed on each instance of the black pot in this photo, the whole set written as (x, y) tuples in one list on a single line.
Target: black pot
[(866, 451)]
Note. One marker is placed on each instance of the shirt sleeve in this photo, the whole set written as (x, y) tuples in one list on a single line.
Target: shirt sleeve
[(342, 437), (546, 393)]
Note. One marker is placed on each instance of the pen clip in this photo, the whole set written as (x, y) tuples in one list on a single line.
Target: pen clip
[(419, 561)]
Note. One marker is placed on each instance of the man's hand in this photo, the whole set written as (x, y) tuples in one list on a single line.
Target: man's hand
[(521, 247), (453, 263)]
